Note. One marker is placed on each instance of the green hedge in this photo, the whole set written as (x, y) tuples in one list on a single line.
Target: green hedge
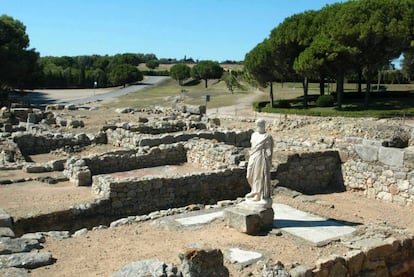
[(325, 101)]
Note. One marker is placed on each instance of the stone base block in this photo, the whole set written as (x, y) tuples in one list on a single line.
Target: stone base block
[(249, 221)]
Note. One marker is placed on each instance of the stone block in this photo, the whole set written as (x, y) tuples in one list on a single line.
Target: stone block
[(409, 157), (26, 260), (31, 118), (5, 219), (150, 267), (391, 156), (367, 153), (249, 221), (6, 232), (203, 262)]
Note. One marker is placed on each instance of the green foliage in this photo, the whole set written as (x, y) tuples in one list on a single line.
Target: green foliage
[(325, 101), (352, 37), (123, 74), (180, 72), (152, 64), (18, 66), (207, 70), (282, 104), (231, 80), (84, 71)]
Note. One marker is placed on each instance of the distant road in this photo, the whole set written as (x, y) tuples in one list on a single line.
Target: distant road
[(84, 96), (147, 82)]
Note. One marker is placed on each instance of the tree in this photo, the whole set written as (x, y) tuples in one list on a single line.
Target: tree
[(408, 64), (230, 78), (152, 64), (180, 72), (207, 70), (124, 73), (18, 63), (260, 64), (288, 40)]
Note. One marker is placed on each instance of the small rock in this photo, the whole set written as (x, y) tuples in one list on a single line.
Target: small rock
[(100, 227), (203, 262), (6, 232), (151, 267), (80, 233), (14, 272), (119, 222), (39, 236), (26, 260), (9, 245), (58, 234)]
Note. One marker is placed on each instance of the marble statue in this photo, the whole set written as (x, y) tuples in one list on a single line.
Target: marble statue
[(259, 165)]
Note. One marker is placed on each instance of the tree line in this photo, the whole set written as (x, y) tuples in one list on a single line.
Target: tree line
[(355, 38), (94, 70)]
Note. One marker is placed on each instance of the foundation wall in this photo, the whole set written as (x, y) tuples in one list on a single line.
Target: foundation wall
[(134, 196)]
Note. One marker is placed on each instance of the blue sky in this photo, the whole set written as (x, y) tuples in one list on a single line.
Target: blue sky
[(201, 29)]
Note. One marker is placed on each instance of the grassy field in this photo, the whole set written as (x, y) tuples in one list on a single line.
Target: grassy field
[(164, 94)]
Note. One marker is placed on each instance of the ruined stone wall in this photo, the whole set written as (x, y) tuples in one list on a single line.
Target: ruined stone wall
[(81, 170), (130, 139), (30, 144), (124, 160), (213, 155), (393, 257), (134, 196), (309, 172), (384, 173)]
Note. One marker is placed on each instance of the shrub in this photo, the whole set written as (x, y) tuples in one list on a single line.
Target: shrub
[(325, 101), (283, 104)]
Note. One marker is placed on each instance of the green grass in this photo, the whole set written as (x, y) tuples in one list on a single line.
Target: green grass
[(163, 94), (379, 107)]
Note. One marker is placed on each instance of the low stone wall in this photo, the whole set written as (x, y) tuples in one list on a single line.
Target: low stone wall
[(309, 172), (81, 170), (156, 127), (129, 139), (393, 257), (212, 155), (30, 144), (383, 173), (134, 196)]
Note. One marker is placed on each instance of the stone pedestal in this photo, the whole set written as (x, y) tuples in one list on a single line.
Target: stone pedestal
[(249, 219)]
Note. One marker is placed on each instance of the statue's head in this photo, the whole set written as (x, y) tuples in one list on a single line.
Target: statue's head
[(261, 125)]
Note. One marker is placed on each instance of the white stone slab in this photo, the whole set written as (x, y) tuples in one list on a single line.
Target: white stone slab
[(243, 257), (317, 230), (199, 219)]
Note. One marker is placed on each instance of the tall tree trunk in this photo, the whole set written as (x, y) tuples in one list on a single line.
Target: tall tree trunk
[(322, 85), (359, 81), (379, 80), (305, 91), (206, 80), (368, 91), (271, 94), (340, 89)]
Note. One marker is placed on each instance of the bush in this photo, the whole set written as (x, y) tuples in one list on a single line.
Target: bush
[(325, 101), (282, 104)]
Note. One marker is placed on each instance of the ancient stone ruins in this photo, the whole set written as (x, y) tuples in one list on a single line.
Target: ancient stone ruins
[(163, 161)]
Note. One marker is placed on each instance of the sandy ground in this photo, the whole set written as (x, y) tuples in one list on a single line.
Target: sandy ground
[(33, 198), (102, 252)]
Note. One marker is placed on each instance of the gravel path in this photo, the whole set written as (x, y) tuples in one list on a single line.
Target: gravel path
[(83, 96)]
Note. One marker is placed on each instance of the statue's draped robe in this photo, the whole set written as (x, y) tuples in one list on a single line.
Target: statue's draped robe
[(260, 163)]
